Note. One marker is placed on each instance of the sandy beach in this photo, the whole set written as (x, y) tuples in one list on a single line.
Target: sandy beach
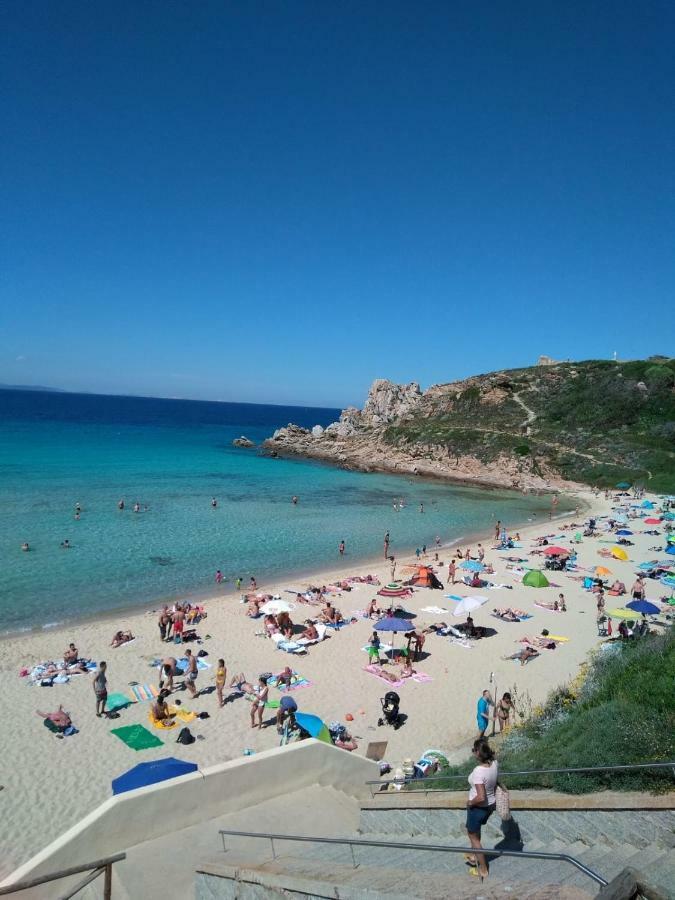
[(48, 784)]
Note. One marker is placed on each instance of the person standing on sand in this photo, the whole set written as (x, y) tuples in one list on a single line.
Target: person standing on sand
[(178, 623), (481, 553), (483, 712), (101, 689), (392, 570), (164, 623), (341, 548), (221, 675), (386, 545), (191, 673), (237, 584), (452, 571)]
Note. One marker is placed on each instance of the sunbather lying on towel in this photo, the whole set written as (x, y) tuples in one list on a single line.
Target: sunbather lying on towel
[(121, 637), (60, 718), (524, 655), (508, 614)]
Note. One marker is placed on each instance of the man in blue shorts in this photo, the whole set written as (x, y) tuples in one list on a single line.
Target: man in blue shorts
[(287, 710), (483, 713)]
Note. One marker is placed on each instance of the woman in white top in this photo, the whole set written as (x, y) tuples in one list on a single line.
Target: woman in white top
[(260, 692), (481, 802)]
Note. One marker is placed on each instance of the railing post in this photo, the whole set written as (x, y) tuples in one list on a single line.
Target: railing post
[(274, 854), (351, 847), (107, 882)]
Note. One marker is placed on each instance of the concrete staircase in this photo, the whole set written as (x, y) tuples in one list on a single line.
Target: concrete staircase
[(604, 840)]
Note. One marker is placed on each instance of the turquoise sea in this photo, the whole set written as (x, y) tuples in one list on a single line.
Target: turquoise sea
[(172, 456)]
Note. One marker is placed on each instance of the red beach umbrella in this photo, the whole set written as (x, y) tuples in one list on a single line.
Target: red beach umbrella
[(652, 521), (556, 551)]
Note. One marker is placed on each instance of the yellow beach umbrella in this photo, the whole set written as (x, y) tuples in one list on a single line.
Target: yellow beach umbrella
[(619, 553), (621, 614), (602, 570)]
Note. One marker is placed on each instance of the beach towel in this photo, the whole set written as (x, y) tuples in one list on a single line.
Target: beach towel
[(461, 642), (182, 664), (556, 611), (421, 678), (383, 648), (288, 646), (137, 737), (180, 715), (297, 681), (118, 701), (142, 692), (377, 672)]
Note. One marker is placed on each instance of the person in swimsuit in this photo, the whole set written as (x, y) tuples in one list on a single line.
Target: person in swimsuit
[(71, 655), (191, 673), (219, 576), (166, 672), (524, 655), (260, 692), (504, 710), (25, 547), (178, 620), (121, 637), (60, 718), (159, 708), (101, 689), (221, 675), (164, 623), (483, 712)]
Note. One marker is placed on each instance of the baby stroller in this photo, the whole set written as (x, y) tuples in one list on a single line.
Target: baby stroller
[(390, 713)]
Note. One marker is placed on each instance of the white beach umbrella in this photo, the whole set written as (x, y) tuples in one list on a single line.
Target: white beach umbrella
[(274, 607), (468, 604)]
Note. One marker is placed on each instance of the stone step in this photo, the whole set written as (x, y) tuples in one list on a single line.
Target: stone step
[(324, 878)]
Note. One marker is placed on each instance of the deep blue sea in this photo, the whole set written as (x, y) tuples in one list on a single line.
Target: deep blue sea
[(172, 457)]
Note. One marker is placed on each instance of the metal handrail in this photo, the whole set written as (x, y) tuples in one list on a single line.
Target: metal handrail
[(93, 869), (406, 845), (421, 789)]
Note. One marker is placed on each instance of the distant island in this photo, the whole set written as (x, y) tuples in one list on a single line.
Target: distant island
[(554, 425)]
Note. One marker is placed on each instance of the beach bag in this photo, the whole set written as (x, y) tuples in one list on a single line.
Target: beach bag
[(502, 803), (185, 737)]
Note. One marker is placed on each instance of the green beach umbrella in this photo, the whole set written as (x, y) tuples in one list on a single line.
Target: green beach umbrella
[(623, 485), (535, 578)]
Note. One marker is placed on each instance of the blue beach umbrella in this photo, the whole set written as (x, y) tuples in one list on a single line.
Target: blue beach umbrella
[(150, 773), (646, 566), (391, 623), (647, 504), (643, 606), (314, 727), (624, 532), (671, 549), (669, 581), (472, 565)]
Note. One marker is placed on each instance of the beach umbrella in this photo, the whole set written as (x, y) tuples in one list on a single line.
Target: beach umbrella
[(468, 604), (393, 623), (647, 504), (644, 606), (620, 614), (274, 607), (472, 565), (671, 549), (668, 580), (394, 590), (535, 578), (652, 521), (619, 553), (623, 485), (314, 727), (556, 551), (624, 532), (150, 773), (602, 571)]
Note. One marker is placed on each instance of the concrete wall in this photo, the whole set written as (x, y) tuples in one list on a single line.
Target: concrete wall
[(159, 809)]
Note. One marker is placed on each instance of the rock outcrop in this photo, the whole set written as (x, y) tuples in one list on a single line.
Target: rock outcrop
[(242, 442), (532, 429)]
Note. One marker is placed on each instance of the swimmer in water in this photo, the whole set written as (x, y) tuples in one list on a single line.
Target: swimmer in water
[(65, 545), (120, 504), (78, 509), (137, 507), (294, 500), (214, 502), (25, 547)]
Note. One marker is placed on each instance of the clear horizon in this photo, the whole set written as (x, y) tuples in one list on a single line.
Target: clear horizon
[(273, 204)]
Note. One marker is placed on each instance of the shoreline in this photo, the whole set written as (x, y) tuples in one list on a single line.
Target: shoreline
[(440, 710), (144, 608)]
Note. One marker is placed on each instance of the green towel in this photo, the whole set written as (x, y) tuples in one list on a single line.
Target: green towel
[(117, 701), (137, 737)]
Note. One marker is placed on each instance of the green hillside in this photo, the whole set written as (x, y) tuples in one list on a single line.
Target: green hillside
[(598, 422)]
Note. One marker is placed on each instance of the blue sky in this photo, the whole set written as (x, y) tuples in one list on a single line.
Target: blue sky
[(279, 202)]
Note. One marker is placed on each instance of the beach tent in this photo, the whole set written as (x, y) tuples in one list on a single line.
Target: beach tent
[(425, 578), (314, 727), (619, 553), (535, 578), (150, 773)]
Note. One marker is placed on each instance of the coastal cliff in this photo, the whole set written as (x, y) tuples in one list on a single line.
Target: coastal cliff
[(549, 426)]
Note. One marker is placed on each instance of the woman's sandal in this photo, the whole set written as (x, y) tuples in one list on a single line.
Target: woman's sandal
[(470, 860)]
